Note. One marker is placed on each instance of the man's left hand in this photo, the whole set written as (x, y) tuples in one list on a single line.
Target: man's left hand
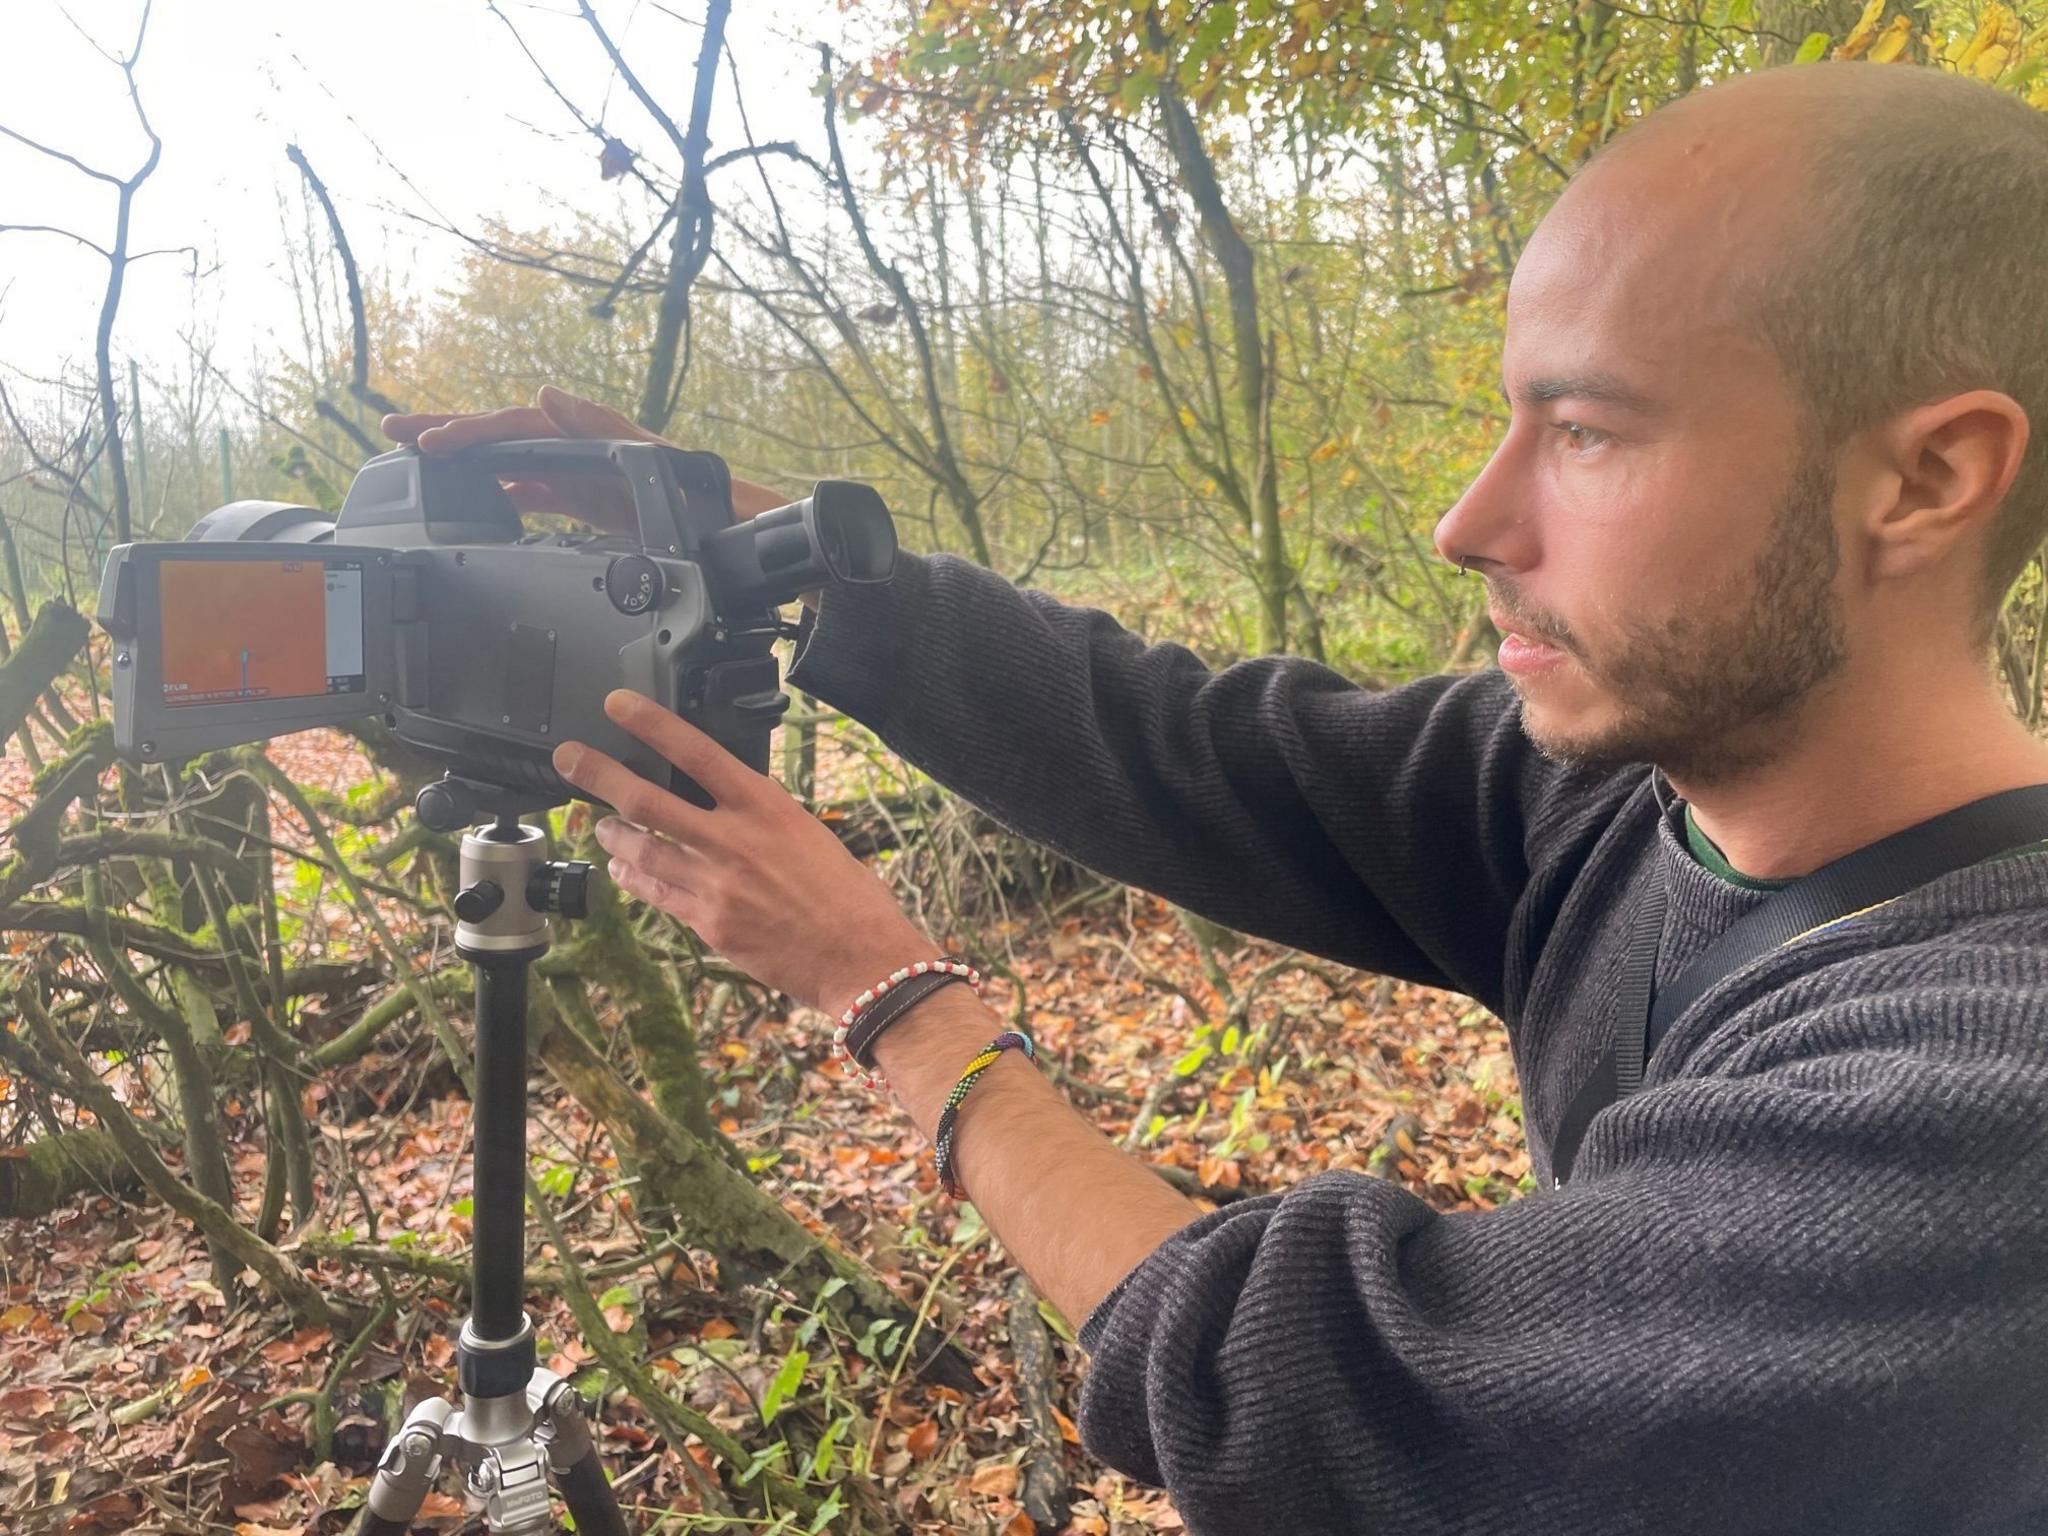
[(761, 880)]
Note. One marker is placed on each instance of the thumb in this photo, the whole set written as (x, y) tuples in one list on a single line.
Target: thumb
[(574, 416)]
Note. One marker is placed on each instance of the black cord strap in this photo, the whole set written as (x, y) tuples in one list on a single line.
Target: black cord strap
[(1854, 884)]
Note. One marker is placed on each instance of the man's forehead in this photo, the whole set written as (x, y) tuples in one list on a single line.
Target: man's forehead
[(1624, 296)]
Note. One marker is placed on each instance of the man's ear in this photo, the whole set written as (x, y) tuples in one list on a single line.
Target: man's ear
[(1953, 461)]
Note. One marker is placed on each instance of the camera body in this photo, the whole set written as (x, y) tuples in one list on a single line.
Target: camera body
[(428, 603)]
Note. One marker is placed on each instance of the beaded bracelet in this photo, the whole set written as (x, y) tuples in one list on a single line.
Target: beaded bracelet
[(869, 1014), (942, 1140)]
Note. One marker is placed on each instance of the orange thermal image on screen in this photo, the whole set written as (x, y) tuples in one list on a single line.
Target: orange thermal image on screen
[(243, 630)]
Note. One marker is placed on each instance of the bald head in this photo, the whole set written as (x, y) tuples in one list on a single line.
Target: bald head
[(1880, 227)]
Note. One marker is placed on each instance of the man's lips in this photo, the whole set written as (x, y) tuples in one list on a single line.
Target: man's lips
[(1522, 632), (1521, 654)]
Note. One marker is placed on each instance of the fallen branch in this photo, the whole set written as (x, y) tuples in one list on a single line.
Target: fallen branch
[(401, 960), (449, 984), (308, 1303), (721, 1208), (678, 1421), (322, 1397), (451, 1270), (1046, 1495)]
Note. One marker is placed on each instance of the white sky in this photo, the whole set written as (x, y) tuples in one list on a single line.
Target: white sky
[(438, 86)]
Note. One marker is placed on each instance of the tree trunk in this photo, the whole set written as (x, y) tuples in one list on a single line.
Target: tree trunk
[(690, 247), (1273, 573), (655, 1015)]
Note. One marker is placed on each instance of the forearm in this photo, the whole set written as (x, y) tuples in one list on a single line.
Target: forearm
[(1386, 830), (1077, 1214)]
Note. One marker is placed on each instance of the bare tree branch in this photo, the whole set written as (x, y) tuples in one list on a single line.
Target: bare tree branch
[(117, 257), (57, 154), (690, 247), (952, 479), (359, 363), (327, 411), (51, 229), (640, 92)]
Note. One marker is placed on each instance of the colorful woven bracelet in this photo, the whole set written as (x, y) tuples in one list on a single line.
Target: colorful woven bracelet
[(872, 1012), (1008, 1040)]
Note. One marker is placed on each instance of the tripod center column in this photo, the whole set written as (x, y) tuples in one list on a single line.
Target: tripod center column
[(501, 933)]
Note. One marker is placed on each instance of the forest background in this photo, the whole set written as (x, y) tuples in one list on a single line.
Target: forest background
[(1191, 310)]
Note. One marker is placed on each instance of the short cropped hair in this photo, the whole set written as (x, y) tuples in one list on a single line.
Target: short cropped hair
[(1918, 269)]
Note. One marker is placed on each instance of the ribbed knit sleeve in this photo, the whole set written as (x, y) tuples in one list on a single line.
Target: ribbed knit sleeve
[(1390, 830), (1800, 1285)]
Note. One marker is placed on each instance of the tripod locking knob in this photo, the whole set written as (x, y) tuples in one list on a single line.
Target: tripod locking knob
[(563, 886), (474, 903)]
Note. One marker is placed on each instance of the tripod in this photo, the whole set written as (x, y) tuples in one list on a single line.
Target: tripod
[(517, 1425)]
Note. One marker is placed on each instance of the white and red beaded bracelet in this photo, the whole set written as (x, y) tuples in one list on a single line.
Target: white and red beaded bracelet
[(943, 970)]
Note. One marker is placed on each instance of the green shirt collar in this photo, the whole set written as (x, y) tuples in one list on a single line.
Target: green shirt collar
[(1712, 861)]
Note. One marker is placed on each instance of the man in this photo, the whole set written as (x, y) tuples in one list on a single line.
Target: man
[(1772, 360)]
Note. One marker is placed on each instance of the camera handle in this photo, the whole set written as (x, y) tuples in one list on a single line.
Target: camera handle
[(517, 1425), (680, 498)]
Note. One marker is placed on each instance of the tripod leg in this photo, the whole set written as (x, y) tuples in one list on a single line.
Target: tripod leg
[(410, 1464), (589, 1496), (573, 1459)]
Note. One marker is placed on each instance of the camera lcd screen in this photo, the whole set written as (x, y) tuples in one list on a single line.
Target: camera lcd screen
[(240, 631)]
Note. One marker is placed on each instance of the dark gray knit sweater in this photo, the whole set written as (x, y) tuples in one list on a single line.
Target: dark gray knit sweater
[(1799, 1283)]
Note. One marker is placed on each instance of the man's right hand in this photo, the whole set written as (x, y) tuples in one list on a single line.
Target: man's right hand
[(597, 499)]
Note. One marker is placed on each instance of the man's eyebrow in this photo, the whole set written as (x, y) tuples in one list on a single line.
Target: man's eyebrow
[(1601, 388)]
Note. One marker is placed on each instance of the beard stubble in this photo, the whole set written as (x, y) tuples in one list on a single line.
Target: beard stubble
[(1712, 692)]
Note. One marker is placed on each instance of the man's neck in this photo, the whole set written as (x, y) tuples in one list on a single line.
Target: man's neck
[(1856, 774)]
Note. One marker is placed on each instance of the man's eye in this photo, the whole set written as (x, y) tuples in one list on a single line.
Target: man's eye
[(1579, 435)]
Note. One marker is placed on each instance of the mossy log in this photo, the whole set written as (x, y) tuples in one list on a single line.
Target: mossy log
[(44, 652), (37, 830), (722, 1209), (49, 1174)]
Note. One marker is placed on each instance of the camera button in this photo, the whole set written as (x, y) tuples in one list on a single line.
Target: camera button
[(634, 584)]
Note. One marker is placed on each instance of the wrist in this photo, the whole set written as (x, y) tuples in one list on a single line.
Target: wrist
[(922, 1053), (845, 977)]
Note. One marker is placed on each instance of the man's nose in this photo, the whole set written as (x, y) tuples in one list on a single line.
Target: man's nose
[(1491, 526)]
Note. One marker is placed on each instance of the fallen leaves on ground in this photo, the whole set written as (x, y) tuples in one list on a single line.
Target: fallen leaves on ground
[(135, 1391)]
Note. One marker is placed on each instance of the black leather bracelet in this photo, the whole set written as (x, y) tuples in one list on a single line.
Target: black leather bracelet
[(867, 1027)]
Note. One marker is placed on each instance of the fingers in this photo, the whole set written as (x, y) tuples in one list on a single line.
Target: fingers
[(573, 416), (514, 422), (554, 413), (703, 759), (406, 428), (538, 496), (633, 850), (611, 782), (651, 889)]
